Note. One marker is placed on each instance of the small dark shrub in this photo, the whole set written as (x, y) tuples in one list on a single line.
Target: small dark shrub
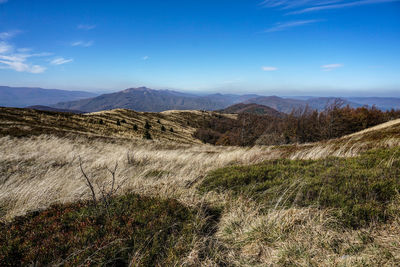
[(101, 121), (163, 128), (147, 135), (171, 130), (118, 123), (147, 125), (135, 127), (123, 121)]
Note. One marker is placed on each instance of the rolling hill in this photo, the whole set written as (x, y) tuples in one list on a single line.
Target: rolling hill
[(285, 105), (27, 96), (118, 123), (251, 108), (46, 108)]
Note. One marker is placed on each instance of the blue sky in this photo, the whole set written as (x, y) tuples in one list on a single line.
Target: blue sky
[(305, 47)]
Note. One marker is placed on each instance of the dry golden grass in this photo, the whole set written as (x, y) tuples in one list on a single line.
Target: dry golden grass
[(385, 135), (37, 171), (26, 122)]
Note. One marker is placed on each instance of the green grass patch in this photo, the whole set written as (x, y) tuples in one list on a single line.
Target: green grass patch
[(133, 230), (359, 189)]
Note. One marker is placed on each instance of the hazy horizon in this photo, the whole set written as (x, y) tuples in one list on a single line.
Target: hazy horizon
[(284, 94)]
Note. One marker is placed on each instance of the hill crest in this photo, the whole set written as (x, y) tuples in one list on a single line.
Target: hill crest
[(252, 108)]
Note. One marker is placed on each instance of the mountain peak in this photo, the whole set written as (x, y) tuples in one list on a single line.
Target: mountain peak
[(137, 89)]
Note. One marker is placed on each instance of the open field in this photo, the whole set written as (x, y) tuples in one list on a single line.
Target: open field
[(42, 169)]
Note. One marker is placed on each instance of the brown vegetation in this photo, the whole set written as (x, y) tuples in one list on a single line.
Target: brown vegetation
[(300, 126)]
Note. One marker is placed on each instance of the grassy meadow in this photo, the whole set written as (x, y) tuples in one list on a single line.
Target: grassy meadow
[(184, 203)]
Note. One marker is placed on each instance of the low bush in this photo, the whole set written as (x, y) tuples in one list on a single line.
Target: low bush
[(358, 189), (136, 231), (147, 135)]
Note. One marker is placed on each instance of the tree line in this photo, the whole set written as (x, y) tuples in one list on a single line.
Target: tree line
[(300, 126)]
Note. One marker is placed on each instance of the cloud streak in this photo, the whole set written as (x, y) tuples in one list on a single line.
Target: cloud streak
[(330, 67), (82, 43), (341, 5), (306, 6), (60, 61), (86, 27), (5, 47), (289, 4), (3, 1), (17, 59), (18, 62), (20, 59), (8, 35), (269, 68), (290, 24)]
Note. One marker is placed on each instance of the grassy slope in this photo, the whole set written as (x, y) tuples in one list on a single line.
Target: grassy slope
[(361, 189), (26, 122), (38, 171)]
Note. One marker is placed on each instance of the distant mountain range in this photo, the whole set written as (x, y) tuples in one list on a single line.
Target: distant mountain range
[(145, 99), (384, 103), (286, 105), (149, 100), (29, 96)]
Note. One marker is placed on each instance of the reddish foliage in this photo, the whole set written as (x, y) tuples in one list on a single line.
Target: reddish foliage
[(300, 126)]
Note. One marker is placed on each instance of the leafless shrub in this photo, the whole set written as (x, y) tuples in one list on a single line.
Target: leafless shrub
[(106, 190)]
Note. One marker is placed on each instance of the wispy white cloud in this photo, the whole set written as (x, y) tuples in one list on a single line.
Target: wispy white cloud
[(269, 68), (86, 27), (21, 59), (145, 57), (82, 43), (3, 1), (290, 24), (330, 67), (18, 62), (341, 5), (305, 6), (60, 61), (5, 47), (18, 58), (288, 4), (24, 50), (8, 35)]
